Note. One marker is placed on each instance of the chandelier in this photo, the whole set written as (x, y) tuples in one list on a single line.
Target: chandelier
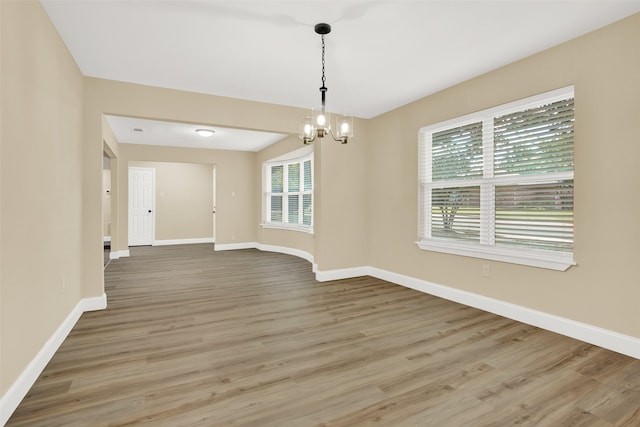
[(318, 124)]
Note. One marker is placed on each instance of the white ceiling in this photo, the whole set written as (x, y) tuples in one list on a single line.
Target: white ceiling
[(129, 130), (380, 54)]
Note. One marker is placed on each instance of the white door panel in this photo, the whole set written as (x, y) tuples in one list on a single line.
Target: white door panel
[(141, 206), (214, 202)]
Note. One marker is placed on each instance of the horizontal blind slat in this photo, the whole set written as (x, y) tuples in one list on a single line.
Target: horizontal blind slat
[(538, 139), (457, 152), (526, 159), (535, 216), (455, 213)]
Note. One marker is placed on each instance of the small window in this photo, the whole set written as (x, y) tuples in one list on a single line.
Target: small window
[(288, 194), (498, 184)]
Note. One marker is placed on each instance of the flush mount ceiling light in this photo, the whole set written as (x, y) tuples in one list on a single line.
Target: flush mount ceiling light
[(318, 124), (206, 133)]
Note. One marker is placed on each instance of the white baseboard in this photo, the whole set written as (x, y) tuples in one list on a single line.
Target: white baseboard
[(269, 248), (617, 342), (592, 334), (588, 333), (94, 304), (285, 250), (343, 273), (183, 241), (25, 381), (119, 254), (234, 246)]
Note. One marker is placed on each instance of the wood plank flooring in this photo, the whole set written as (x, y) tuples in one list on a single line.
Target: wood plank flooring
[(193, 337)]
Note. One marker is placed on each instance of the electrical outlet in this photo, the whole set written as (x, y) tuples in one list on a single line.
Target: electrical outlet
[(486, 270)]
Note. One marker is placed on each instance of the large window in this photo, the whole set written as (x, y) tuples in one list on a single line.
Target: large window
[(498, 184), (288, 195)]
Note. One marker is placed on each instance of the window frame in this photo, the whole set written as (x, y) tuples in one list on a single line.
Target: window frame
[(267, 193), (486, 248)]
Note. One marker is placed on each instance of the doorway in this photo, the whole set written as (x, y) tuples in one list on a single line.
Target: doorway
[(106, 206), (141, 206), (213, 173)]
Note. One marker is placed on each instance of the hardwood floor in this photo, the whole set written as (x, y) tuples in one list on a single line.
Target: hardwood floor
[(193, 337)]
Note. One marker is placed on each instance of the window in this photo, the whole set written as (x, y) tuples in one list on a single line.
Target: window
[(498, 184), (288, 194)]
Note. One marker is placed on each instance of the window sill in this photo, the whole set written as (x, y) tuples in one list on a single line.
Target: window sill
[(291, 227), (532, 258)]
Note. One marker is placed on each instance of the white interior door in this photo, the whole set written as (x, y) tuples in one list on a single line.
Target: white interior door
[(106, 204), (214, 203), (141, 206)]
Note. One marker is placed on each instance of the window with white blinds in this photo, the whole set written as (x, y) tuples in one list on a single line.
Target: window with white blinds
[(288, 195), (498, 184)]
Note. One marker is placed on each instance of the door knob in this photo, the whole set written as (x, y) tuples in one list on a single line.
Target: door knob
[(149, 211)]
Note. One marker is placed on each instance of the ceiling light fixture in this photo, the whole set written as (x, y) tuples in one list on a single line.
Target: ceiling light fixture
[(318, 124), (206, 133)]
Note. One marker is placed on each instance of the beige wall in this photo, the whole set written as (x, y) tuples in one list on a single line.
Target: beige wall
[(341, 214), (110, 147), (183, 199), (340, 202), (54, 134), (41, 156), (236, 173), (603, 289), (235, 219), (239, 192)]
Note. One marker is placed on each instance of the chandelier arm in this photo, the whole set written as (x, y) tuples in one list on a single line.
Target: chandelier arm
[(342, 140), (307, 140)]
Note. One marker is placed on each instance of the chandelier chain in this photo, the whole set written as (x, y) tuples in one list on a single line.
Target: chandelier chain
[(323, 77), (318, 124)]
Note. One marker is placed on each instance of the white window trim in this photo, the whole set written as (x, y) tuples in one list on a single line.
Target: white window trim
[(287, 226), (560, 261), (285, 161), (543, 259)]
